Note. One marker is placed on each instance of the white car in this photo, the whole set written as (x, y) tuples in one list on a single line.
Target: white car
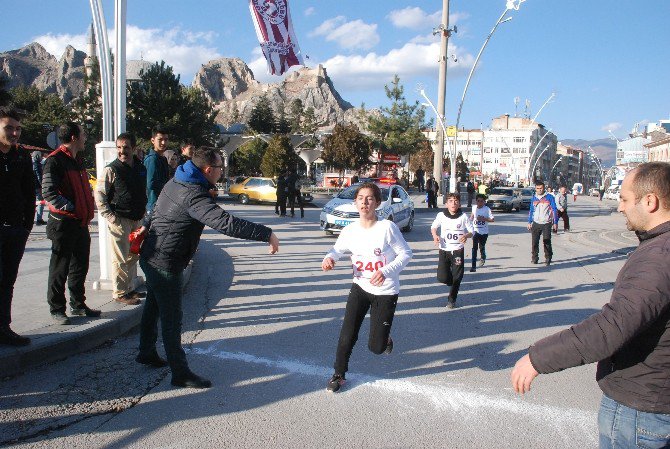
[(396, 205)]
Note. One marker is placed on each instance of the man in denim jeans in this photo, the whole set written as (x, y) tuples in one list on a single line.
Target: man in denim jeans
[(630, 336)]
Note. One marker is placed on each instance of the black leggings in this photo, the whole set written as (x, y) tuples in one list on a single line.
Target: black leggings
[(382, 309), (478, 241), (450, 270)]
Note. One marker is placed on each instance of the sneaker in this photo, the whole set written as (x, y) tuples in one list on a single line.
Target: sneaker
[(547, 262), (534, 261), (11, 338), (153, 360), (473, 269), (190, 380), (85, 311), (40, 222), (389, 346), (127, 299), (60, 318), (451, 303), (336, 382), (482, 262)]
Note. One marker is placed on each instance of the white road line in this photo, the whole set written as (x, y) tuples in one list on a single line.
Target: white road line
[(451, 398)]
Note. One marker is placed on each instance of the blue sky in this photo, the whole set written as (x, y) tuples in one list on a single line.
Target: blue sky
[(606, 61)]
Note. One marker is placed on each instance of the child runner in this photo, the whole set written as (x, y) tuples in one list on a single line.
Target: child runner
[(455, 229), (481, 217), (378, 255)]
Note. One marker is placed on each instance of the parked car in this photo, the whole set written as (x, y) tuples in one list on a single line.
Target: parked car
[(396, 206), (612, 193), (526, 196), (504, 198), (259, 190)]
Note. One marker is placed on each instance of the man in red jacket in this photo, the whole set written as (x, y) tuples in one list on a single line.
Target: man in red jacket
[(630, 336), (66, 189)]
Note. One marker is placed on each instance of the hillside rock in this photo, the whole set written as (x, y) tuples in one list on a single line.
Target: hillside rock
[(70, 74)]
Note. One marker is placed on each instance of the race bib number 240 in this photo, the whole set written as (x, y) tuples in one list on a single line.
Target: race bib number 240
[(365, 267)]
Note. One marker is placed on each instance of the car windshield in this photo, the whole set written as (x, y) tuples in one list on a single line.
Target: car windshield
[(527, 192), (349, 192), (499, 191)]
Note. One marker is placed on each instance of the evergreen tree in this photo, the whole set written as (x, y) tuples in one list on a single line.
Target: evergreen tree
[(309, 124), (44, 112), (279, 156), (87, 109), (346, 148), (248, 157), (235, 115), (295, 116), (5, 96), (262, 118), (282, 125)]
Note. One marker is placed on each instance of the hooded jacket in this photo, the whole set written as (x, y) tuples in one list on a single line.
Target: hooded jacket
[(17, 200), (183, 209), (629, 337)]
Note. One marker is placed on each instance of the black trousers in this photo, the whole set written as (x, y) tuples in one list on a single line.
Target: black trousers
[(292, 198), (163, 301), (382, 309), (543, 230), (566, 219), (70, 250), (450, 270), (12, 245), (479, 241), (280, 205), (432, 200)]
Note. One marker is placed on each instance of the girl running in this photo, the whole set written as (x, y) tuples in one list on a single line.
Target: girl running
[(378, 255)]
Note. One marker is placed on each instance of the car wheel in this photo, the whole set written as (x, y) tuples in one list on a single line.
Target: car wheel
[(410, 223), (244, 199)]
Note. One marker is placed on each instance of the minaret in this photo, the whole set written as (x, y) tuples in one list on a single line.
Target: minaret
[(89, 61)]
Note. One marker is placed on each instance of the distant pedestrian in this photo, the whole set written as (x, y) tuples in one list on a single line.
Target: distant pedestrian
[(121, 197), (542, 219), (158, 169), (432, 190), (175, 226), (294, 195), (421, 179), (562, 208), (282, 193), (481, 217), (17, 212), (601, 192), (378, 255), (66, 189), (187, 150), (455, 228), (172, 159), (38, 169), (630, 336), (470, 187)]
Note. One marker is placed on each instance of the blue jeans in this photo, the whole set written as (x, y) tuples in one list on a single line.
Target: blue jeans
[(163, 301), (623, 427)]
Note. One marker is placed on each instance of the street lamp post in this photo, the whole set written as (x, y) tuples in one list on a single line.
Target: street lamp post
[(538, 159), (530, 159), (452, 153)]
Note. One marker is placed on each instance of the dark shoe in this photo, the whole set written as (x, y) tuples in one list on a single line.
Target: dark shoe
[(335, 383), (85, 311), (137, 295), (60, 318), (128, 300), (153, 360), (534, 261), (11, 338), (40, 222), (389, 346), (190, 380), (473, 269), (547, 262)]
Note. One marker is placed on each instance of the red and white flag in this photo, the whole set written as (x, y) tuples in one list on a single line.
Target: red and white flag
[(275, 34)]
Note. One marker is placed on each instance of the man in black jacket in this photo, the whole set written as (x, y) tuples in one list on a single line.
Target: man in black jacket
[(17, 209), (121, 197), (183, 209), (630, 336)]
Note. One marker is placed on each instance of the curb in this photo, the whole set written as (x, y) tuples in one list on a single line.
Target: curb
[(57, 342)]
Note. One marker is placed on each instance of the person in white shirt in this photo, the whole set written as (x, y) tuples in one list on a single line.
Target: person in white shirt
[(378, 255), (481, 217), (455, 229)]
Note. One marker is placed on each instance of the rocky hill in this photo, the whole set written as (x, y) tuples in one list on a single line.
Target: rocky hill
[(605, 149), (32, 65), (230, 85)]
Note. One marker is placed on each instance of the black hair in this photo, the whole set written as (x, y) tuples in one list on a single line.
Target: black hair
[(376, 191), (130, 137), (9, 112), (539, 182), (205, 157), (68, 131), (158, 129)]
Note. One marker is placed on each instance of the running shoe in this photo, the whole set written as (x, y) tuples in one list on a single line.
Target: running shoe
[(389, 346), (473, 269), (451, 303), (335, 383), (482, 262), (547, 262)]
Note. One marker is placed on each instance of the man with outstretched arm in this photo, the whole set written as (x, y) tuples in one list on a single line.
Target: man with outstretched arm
[(630, 336)]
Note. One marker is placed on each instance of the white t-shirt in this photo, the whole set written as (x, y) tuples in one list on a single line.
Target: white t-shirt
[(481, 227), (381, 247), (452, 229)]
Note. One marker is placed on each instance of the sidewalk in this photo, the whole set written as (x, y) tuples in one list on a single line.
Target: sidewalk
[(31, 317)]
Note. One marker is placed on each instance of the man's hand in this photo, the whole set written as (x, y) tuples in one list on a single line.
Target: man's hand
[(377, 278), (523, 375), (142, 230), (274, 243), (327, 264), (530, 226), (463, 239), (436, 239), (213, 193)]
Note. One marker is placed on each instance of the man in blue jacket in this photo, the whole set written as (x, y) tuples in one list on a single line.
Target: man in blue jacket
[(542, 218), (181, 212)]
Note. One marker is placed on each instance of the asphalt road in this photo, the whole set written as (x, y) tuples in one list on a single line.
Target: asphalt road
[(264, 329)]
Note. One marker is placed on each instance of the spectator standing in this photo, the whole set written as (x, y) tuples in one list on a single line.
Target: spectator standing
[(630, 336), (172, 159), (38, 168), (158, 170), (421, 178), (562, 208), (432, 188), (66, 189), (186, 152), (17, 212), (182, 211), (542, 218), (471, 192), (293, 184), (280, 204), (121, 197)]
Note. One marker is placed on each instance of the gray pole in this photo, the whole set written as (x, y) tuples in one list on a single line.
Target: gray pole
[(120, 68), (441, 94)]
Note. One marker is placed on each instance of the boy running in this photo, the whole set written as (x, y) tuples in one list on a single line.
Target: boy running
[(481, 217), (378, 255), (455, 229)]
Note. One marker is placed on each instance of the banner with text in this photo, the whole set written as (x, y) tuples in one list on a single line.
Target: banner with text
[(275, 34)]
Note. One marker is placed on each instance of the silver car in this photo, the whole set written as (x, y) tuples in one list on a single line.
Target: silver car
[(504, 198)]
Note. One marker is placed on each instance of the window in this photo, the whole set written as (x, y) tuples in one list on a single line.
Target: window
[(254, 182), (519, 139)]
